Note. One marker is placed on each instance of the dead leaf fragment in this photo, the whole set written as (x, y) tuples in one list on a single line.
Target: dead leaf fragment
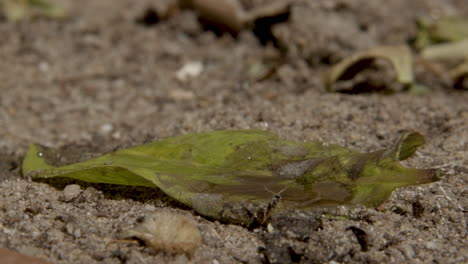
[(170, 232), (452, 52), (444, 29), (233, 15), (399, 56)]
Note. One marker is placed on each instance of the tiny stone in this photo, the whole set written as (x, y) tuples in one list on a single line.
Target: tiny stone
[(149, 207), (270, 228), (77, 233), (431, 245), (71, 192), (408, 251), (106, 128), (70, 229)]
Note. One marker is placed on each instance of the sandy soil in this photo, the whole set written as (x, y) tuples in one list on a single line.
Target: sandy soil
[(100, 80)]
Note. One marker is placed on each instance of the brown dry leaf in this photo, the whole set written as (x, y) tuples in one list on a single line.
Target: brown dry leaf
[(399, 56)]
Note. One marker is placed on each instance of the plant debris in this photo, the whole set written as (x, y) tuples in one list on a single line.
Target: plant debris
[(245, 176), (450, 53), (169, 232), (444, 29), (228, 15), (15, 10), (399, 56), (445, 41)]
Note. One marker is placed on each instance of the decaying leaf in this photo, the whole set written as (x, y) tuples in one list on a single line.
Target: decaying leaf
[(232, 15), (21, 9), (446, 42), (399, 56), (444, 29), (245, 176), (169, 232), (450, 53)]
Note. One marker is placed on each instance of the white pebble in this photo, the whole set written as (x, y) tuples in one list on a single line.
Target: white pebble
[(71, 192)]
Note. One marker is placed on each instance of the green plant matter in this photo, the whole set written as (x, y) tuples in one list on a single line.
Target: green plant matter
[(444, 29), (399, 56), (245, 176), (16, 10)]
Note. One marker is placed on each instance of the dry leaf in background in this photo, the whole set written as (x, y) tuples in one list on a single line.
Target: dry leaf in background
[(399, 56)]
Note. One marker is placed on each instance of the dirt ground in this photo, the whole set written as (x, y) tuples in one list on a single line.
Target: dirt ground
[(103, 79)]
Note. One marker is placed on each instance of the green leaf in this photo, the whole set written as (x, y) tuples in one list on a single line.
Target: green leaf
[(245, 176), (399, 56)]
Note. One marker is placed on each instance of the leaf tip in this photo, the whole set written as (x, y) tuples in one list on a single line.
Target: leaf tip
[(34, 160)]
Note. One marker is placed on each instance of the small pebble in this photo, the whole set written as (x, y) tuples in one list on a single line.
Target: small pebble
[(71, 192), (270, 228), (408, 251), (106, 128), (431, 245), (189, 70)]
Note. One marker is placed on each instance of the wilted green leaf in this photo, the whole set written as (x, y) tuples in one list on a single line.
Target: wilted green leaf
[(20, 9), (399, 56), (244, 176)]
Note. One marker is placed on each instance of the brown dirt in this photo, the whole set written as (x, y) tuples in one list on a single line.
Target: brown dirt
[(99, 80)]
